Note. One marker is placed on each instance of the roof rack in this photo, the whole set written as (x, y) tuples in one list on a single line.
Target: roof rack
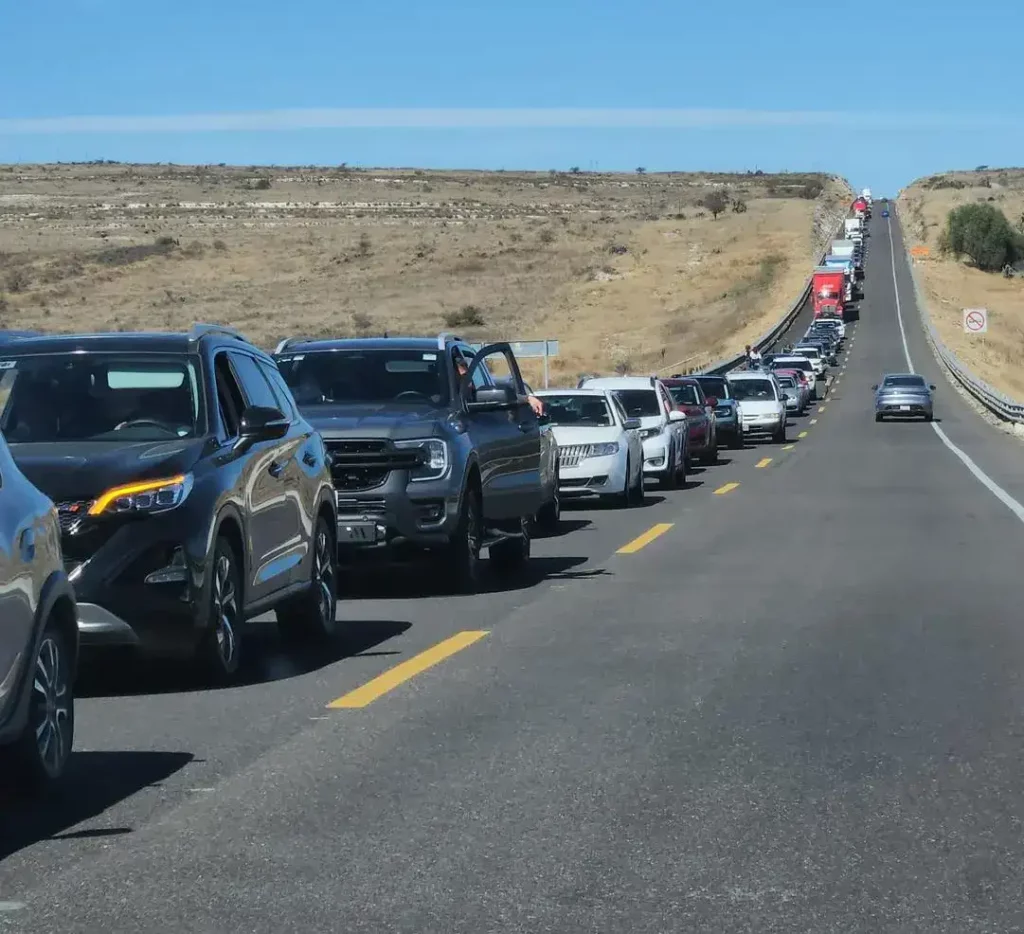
[(200, 329), (444, 337), (288, 341)]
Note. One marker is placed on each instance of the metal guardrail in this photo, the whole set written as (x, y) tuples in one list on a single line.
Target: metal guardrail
[(771, 337), (1010, 410)]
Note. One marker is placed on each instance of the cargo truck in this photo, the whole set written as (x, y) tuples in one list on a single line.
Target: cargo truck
[(860, 208), (827, 290), (853, 225), (851, 250), (849, 274)]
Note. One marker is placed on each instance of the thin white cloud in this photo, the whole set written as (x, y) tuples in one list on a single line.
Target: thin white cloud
[(492, 118)]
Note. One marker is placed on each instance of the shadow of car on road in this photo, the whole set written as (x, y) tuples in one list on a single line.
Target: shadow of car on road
[(94, 782), (267, 658)]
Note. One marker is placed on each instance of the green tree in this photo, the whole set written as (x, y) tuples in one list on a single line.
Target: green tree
[(982, 233)]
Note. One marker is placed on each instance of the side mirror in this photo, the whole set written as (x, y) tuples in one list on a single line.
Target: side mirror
[(676, 416), (875, 387), (931, 385), (500, 397), (544, 419), (261, 423), (631, 424)]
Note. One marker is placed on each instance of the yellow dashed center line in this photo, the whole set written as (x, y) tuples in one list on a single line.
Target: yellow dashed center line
[(763, 462), (642, 541), (821, 409), (789, 447), (393, 677), (803, 434), (813, 421), (728, 488)]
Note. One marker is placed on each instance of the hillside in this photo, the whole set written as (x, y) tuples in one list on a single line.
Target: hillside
[(953, 285), (629, 272)]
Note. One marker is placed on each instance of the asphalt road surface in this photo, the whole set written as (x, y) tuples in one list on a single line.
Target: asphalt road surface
[(796, 709)]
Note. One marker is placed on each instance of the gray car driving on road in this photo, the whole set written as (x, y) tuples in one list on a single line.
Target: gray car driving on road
[(903, 395)]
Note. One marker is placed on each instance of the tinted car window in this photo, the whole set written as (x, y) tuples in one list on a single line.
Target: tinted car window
[(254, 384), (754, 389), (360, 377), (639, 403), (904, 382), (100, 397), (715, 386), (280, 388), (684, 394), (586, 411)]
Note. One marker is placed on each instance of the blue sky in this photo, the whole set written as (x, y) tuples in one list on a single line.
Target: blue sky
[(763, 75)]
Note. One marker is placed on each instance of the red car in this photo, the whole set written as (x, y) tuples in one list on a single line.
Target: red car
[(688, 395)]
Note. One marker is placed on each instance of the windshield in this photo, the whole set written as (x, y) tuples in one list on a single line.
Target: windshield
[(358, 376), (903, 382), (808, 351), (714, 386), (639, 403), (585, 411), (99, 397), (684, 394), (754, 389)]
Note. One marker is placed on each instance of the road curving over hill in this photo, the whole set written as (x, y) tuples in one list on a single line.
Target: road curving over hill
[(796, 706)]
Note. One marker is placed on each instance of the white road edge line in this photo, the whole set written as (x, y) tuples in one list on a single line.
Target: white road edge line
[(983, 478)]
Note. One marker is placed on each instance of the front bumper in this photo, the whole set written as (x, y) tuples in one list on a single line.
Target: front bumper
[(593, 476), (755, 425), (397, 513), (657, 453), (140, 587)]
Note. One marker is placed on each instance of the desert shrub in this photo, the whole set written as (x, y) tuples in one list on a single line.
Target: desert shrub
[(362, 321), (468, 316), (365, 244), (17, 280), (982, 233), (739, 206), (547, 235), (715, 202), (262, 184), (220, 246)]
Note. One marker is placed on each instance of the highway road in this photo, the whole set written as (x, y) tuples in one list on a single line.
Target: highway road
[(794, 705)]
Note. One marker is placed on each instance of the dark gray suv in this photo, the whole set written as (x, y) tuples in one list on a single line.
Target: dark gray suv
[(38, 636), (434, 447)]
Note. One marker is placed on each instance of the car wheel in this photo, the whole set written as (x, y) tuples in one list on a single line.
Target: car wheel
[(550, 515), (780, 436), (312, 617), (221, 649), (625, 498), (670, 480), (878, 416), (462, 567), (39, 757), (512, 554), (711, 458), (637, 494)]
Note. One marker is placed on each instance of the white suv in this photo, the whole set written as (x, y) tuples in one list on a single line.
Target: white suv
[(662, 425), (762, 404)]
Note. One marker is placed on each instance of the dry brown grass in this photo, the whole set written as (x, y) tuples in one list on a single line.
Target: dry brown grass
[(952, 285), (623, 269)]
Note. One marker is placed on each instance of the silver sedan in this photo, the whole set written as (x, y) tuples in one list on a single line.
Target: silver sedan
[(903, 395)]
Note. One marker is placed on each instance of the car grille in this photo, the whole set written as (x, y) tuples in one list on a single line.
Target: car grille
[(367, 464), (360, 505), (570, 455), (70, 512)]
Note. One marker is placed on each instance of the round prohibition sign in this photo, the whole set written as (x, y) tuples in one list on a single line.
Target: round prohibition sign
[(975, 320)]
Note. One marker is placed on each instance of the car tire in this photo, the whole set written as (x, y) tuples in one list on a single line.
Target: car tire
[(736, 441), (550, 516), (312, 617), (780, 436), (38, 758), (221, 648), (463, 567), (670, 480), (711, 458), (929, 418), (878, 417), (637, 493), (511, 554)]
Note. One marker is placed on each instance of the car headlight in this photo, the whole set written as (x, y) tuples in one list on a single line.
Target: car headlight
[(646, 433), (603, 450), (435, 458), (143, 496)]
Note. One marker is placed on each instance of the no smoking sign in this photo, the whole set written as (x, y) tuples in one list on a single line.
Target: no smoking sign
[(976, 320)]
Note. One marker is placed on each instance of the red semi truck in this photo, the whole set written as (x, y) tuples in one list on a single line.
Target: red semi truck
[(860, 208), (827, 287)]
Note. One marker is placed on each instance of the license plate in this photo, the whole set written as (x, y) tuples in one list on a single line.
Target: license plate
[(357, 532), (904, 408)]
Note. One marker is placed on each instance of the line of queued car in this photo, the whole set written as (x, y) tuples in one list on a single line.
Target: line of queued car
[(158, 491)]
